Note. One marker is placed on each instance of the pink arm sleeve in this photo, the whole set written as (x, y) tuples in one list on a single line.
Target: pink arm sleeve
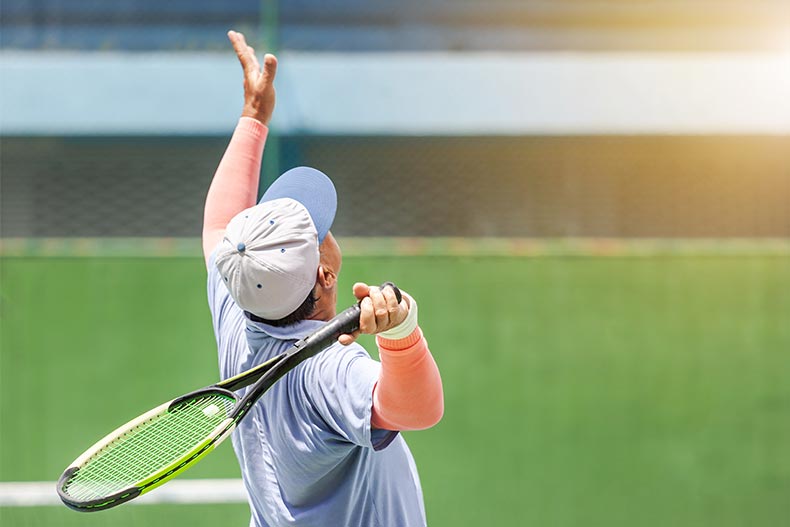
[(408, 394), (235, 184)]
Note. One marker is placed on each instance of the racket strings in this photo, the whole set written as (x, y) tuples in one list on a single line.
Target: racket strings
[(148, 448)]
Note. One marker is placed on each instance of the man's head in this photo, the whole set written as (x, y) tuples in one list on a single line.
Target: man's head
[(271, 257)]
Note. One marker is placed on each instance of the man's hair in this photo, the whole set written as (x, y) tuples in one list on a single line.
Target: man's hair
[(301, 313)]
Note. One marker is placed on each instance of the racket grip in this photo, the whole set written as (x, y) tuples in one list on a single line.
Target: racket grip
[(344, 323)]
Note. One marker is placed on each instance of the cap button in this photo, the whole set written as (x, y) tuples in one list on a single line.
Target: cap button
[(241, 247)]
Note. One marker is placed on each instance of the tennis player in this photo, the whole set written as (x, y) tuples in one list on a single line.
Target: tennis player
[(322, 447)]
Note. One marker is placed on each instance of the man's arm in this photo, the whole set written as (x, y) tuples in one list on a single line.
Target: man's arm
[(235, 184), (408, 394)]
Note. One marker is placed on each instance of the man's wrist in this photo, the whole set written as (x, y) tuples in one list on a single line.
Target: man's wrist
[(261, 117), (252, 126)]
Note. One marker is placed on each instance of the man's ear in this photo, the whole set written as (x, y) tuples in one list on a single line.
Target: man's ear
[(326, 278)]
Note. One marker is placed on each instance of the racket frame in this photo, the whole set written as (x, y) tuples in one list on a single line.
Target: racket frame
[(157, 478)]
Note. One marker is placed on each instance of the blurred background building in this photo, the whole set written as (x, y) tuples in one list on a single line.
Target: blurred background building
[(500, 118)]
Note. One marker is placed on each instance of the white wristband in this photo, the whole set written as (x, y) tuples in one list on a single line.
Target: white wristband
[(405, 328)]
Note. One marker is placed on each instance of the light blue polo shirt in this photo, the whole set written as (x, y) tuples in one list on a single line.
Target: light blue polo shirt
[(308, 454)]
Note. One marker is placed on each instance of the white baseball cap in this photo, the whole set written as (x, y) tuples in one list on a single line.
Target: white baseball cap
[(269, 256)]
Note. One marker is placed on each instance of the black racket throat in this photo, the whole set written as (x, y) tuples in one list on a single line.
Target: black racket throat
[(274, 369), (311, 345), (198, 394)]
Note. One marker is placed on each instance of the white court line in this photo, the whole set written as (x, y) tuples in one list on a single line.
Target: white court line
[(184, 491)]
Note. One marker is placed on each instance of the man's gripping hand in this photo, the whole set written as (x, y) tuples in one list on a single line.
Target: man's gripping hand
[(379, 311), (258, 84)]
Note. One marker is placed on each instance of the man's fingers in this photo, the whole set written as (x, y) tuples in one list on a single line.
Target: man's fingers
[(269, 68), (247, 59), (348, 338), (249, 62), (242, 41), (367, 318), (391, 299), (379, 308), (253, 58), (236, 40), (360, 290), (379, 303)]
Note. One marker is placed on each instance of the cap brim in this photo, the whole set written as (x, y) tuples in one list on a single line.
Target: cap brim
[(313, 189)]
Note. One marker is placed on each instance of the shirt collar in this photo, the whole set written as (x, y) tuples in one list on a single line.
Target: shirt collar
[(293, 332)]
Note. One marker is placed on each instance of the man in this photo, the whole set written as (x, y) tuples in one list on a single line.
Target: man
[(322, 447)]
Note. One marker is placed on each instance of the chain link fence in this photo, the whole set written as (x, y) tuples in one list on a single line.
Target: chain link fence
[(416, 186)]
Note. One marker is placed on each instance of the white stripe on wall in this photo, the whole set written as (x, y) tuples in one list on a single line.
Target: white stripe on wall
[(183, 491), (401, 93)]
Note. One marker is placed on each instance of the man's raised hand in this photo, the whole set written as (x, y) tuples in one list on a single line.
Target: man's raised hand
[(258, 84)]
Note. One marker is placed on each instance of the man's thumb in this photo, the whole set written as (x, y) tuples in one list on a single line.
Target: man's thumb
[(269, 67)]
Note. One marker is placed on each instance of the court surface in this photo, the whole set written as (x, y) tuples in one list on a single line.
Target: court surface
[(646, 391)]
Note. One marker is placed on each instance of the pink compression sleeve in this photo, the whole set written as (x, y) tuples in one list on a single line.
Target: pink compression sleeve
[(235, 184), (408, 394)]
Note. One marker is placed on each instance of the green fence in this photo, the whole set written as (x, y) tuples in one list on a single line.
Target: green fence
[(607, 186)]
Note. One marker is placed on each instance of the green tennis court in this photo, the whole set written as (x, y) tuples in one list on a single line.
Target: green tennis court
[(645, 391)]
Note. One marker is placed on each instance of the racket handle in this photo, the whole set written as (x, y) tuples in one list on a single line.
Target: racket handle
[(344, 323)]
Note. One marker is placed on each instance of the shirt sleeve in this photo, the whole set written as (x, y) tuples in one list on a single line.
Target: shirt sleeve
[(409, 393), (235, 183), (339, 383)]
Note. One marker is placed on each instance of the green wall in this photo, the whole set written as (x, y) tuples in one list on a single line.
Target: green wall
[(579, 391)]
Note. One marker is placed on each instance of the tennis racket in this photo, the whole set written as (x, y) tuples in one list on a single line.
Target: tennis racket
[(155, 447)]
